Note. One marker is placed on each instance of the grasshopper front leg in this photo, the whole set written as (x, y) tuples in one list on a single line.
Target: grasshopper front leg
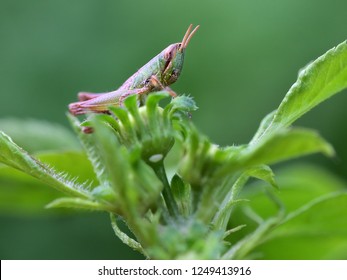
[(155, 82)]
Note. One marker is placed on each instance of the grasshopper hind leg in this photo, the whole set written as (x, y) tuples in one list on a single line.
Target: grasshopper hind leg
[(141, 92), (84, 96)]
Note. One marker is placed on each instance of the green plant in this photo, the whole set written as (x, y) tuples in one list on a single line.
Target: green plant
[(181, 195)]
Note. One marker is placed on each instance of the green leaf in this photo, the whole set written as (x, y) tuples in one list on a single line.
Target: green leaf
[(154, 99), (93, 154), (21, 194), (221, 219), (278, 146), (14, 156), (182, 103), (222, 216), (264, 124), (299, 185), (24, 194), (318, 81), (282, 145), (125, 238), (38, 135), (182, 194), (263, 172), (74, 163), (286, 144), (316, 231), (244, 247), (71, 202)]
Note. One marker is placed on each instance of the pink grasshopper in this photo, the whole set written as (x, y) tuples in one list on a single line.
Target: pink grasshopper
[(157, 74)]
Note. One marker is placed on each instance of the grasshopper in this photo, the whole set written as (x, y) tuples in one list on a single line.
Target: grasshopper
[(157, 74)]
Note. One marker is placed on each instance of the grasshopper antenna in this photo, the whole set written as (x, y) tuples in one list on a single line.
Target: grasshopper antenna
[(191, 35), (188, 36)]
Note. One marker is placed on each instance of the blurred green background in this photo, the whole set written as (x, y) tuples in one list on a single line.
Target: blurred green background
[(238, 68)]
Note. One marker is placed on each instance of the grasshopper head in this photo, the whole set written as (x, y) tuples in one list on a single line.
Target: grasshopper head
[(174, 58)]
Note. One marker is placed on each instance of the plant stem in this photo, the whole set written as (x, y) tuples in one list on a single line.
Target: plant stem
[(170, 202)]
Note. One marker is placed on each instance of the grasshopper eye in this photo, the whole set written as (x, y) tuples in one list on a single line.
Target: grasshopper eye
[(167, 55)]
